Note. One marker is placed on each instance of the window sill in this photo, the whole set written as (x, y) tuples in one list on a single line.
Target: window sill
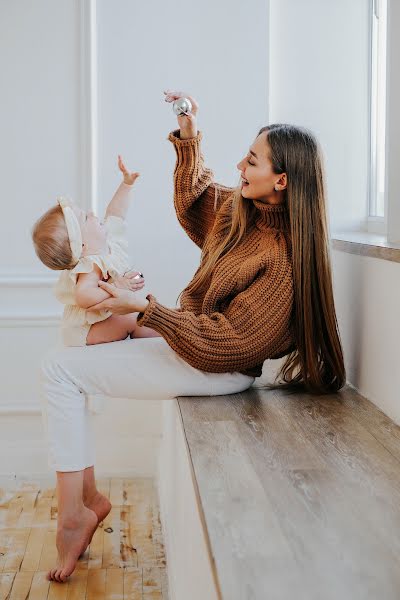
[(366, 244)]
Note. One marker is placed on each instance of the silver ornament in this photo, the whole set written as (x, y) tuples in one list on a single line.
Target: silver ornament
[(182, 106)]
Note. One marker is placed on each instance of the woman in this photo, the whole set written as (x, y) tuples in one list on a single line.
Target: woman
[(263, 290)]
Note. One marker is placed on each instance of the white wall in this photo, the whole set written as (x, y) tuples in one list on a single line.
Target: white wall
[(38, 118), (218, 52), (319, 79), (367, 295)]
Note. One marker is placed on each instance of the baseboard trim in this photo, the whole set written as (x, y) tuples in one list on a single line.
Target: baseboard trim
[(26, 281), (11, 410), (30, 320)]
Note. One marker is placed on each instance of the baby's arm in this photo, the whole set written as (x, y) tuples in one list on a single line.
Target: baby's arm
[(87, 291), (119, 204)]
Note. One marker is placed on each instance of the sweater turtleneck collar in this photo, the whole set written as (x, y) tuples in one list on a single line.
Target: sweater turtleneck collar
[(272, 216)]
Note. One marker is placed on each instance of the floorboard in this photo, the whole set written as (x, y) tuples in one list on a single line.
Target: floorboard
[(125, 560)]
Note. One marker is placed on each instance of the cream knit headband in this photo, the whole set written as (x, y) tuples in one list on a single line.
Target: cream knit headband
[(73, 228)]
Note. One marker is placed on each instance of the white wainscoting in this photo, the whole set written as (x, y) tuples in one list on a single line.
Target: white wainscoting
[(29, 325)]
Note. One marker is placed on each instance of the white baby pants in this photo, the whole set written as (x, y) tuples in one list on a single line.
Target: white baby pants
[(144, 368)]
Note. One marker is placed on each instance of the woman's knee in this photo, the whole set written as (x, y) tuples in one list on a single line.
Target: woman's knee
[(48, 361), (59, 381), (51, 363)]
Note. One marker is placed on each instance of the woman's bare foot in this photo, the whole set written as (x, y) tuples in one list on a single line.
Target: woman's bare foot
[(73, 536), (100, 505)]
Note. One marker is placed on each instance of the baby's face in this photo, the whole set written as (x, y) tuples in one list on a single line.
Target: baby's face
[(93, 232)]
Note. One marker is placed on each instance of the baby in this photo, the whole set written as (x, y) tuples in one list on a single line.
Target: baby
[(87, 251)]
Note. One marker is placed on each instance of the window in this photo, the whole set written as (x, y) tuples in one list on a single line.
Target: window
[(378, 37)]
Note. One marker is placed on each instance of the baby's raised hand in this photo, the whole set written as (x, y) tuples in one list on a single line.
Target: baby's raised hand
[(129, 177)]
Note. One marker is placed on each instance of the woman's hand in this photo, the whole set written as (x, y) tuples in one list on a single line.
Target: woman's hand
[(129, 281), (129, 177), (122, 302), (187, 123)]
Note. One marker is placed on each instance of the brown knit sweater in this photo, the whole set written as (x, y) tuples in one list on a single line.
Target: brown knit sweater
[(245, 315)]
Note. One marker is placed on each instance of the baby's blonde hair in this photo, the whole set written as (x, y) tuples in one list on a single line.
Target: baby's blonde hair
[(51, 241)]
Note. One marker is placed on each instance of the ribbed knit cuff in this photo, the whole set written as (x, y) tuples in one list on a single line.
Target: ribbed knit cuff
[(188, 151), (190, 164), (146, 314), (175, 137), (158, 317)]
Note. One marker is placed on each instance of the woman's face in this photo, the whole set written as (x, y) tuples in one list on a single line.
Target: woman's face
[(258, 181)]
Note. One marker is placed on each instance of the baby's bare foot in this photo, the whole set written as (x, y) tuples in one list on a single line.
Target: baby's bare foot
[(72, 537)]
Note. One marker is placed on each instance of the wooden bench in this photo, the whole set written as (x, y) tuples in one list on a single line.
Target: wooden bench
[(297, 496)]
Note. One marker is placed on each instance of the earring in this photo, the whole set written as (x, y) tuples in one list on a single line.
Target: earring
[(276, 189)]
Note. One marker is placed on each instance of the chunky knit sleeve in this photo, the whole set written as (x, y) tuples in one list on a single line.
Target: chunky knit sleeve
[(196, 196), (255, 325)]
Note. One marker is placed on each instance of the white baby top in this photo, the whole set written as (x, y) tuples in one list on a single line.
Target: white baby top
[(76, 321)]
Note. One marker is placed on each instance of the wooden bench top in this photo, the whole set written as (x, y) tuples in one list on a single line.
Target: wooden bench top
[(299, 494)]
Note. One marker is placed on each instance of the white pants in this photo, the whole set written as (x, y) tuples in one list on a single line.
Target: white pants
[(145, 368)]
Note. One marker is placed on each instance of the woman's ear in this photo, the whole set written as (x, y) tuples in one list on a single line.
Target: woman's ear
[(283, 181)]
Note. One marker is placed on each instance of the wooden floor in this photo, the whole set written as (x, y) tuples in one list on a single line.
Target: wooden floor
[(124, 561), (300, 495)]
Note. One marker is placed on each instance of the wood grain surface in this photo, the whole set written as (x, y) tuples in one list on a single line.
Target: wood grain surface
[(300, 494)]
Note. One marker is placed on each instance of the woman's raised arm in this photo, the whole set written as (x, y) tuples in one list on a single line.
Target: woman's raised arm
[(197, 197)]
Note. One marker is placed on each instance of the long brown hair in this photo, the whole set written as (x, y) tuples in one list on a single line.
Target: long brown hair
[(316, 362)]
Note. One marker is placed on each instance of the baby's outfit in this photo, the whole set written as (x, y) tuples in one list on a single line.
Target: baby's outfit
[(77, 321)]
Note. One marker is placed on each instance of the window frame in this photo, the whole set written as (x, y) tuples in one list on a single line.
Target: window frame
[(377, 101)]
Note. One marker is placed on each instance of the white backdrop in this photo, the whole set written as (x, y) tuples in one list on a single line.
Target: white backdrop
[(319, 58)]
